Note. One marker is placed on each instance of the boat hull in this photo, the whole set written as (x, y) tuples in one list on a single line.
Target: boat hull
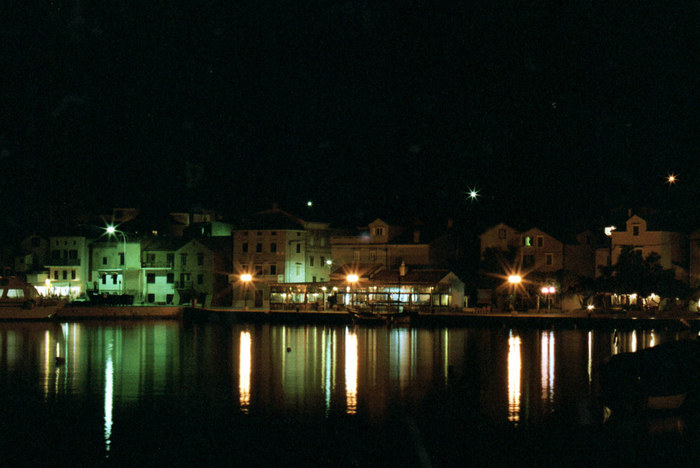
[(24, 313)]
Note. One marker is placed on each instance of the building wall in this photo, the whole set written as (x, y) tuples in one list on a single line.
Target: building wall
[(68, 265), (540, 251), (500, 236)]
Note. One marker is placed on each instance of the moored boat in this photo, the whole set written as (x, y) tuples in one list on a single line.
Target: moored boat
[(659, 378), (20, 300), (365, 317)]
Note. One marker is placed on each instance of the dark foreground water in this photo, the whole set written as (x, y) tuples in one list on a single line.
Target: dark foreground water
[(174, 394)]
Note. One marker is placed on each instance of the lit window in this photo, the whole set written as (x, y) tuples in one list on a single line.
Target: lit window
[(527, 241)]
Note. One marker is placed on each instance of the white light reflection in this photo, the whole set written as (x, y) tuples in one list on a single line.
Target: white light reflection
[(350, 371), (514, 367), (47, 360), (328, 344), (590, 358), (109, 397), (633, 341), (244, 370), (547, 366)]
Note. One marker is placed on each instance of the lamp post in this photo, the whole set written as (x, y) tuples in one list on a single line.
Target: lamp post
[(112, 231), (246, 278), (514, 281), (352, 279), (548, 291)]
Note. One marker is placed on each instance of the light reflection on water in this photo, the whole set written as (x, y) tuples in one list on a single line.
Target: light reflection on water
[(305, 370)]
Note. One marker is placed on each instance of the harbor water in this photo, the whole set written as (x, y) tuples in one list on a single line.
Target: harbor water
[(176, 393)]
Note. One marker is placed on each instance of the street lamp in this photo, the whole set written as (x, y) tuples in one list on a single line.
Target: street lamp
[(353, 279), (514, 281), (112, 231), (548, 291), (246, 278)]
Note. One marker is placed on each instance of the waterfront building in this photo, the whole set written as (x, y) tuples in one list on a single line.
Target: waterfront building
[(276, 247), (669, 245), (382, 243), (501, 236), (115, 266), (68, 265)]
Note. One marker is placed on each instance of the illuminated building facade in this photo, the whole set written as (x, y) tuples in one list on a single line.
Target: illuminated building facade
[(671, 246), (67, 265), (382, 243), (279, 248)]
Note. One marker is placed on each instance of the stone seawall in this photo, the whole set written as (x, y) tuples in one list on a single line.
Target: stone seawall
[(118, 312)]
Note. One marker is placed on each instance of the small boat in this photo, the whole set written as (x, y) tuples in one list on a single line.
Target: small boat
[(657, 378), (365, 317), (20, 300)]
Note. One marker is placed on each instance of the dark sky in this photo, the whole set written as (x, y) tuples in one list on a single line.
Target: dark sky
[(555, 113)]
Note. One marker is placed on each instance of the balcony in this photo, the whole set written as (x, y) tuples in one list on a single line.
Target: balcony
[(162, 265), (62, 262)]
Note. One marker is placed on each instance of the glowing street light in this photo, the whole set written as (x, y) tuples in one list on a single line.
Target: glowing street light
[(548, 291), (671, 179), (514, 280), (246, 278), (113, 231), (352, 278)]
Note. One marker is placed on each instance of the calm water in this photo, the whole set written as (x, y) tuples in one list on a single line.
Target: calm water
[(154, 393)]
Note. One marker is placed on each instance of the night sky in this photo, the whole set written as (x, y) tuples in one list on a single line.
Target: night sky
[(556, 114)]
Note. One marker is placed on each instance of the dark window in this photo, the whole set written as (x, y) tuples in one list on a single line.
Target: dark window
[(170, 278), (168, 298), (635, 230), (298, 248), (65, 274), (200, 259), (72, 274), (258, 247), (151, 278), (114, 279), (104, 260), (273, 247), (244, 247), (73, 254), (540, 241), (170, 257), (273, 269), (55, 254), (151, 298), (200, 279), (528, 260), (311, 261), (104, 279), (183, 259), (121, 258)]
